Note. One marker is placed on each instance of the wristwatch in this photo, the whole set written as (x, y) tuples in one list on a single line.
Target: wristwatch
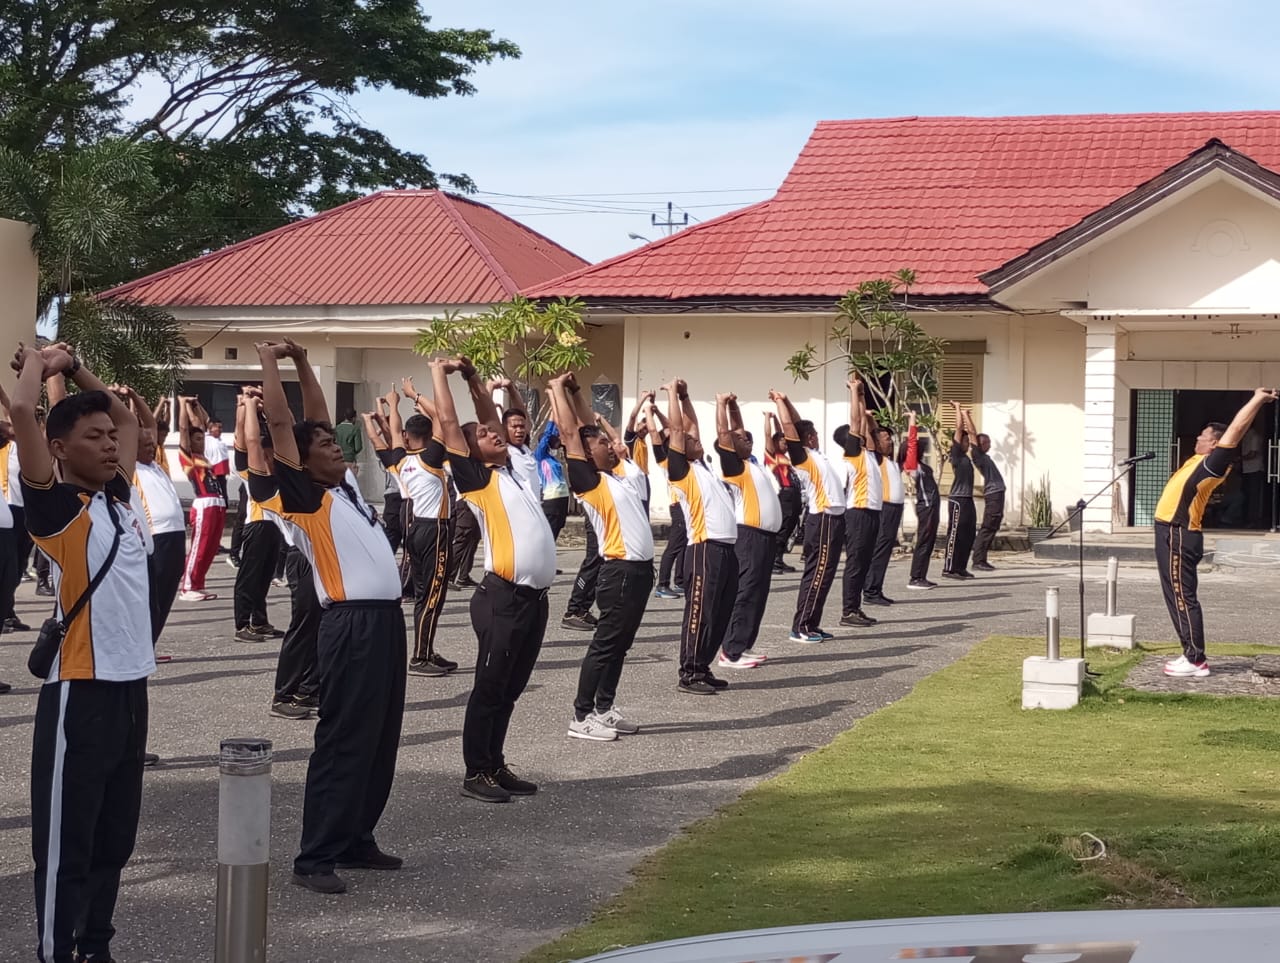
[(75, 365)]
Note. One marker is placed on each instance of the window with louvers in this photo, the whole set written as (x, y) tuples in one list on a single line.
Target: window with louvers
[(960, 380)]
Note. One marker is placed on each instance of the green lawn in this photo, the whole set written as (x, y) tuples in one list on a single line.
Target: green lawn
[(955, 800)]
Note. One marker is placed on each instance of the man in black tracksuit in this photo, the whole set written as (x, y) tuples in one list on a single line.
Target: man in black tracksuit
[(992, 497), (961, 517), (928, 505)]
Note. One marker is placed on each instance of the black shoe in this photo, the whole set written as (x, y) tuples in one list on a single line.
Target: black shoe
[(370, 859), (44, 588), (484, 786), (267, 630), (426, 667), (591, 619), (290, 710), (984, 566), (958, 576), (784, 567), (858, 619), (150, 759), (248, 635), (715, 682), (678, 589), (577, 622), (328, 883), (696, 687), (307, 701), (12, 624), (440, 662), (921, 584), (465, 581), (513, 784), (876, 599), (81, 958), (5, 687)]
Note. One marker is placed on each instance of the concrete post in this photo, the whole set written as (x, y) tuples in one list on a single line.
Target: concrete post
[(244, 836), (1052, 646), (1113, 584)]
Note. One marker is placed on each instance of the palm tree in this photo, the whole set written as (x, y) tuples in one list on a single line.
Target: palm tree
[(85, 207)]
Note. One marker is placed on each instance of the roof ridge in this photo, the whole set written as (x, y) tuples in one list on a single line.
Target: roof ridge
[(1023, 118), (465, 229), (212, 256), (650, 247), (480, 205)]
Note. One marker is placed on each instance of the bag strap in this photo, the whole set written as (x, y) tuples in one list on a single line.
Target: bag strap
[(69, 616)]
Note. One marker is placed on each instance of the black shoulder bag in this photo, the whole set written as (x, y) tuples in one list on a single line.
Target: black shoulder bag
[(53, 631)]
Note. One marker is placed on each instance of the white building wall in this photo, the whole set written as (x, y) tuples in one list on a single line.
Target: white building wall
[(1032, 392)]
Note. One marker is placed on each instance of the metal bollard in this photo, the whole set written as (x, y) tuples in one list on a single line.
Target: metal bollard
[(1051, 624), (1113, 584), (244, 837)]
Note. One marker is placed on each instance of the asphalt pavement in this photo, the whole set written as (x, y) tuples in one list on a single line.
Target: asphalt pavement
[(488, 882)]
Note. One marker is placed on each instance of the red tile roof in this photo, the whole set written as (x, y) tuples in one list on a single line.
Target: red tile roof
[(950, 197), (393, 247)]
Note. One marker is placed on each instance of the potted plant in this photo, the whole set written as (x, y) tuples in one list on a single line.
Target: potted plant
[(1041, 511)]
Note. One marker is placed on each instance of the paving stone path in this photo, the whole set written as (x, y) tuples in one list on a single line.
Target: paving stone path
[(1231, 675)]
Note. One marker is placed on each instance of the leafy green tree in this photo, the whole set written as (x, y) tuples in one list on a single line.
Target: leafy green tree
[(85, 209), (875, 336), (517, 340), (253, 125)]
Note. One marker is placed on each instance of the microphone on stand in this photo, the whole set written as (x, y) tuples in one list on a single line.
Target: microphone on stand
[(1137, 458)]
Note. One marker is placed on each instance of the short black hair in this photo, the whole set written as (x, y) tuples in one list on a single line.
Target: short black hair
[(779, 439), (1217, 427), (348, 415), (214, 421), (304, 434), (162, 426), (71, 409), (841, 435), (588, 431), (512, 413), (418, 425), (884, 429), (804, 429), (983, 434)]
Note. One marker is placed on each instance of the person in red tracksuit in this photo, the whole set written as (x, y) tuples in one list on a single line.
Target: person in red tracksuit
[(208, 505)]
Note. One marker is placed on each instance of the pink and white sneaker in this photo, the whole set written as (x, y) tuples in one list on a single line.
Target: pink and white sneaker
[(1182, 668), (742, 662)]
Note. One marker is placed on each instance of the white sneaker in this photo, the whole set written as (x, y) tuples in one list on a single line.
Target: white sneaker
[(190, 596), (613, 719), (742, 662), (593, 729), (1182, 668)]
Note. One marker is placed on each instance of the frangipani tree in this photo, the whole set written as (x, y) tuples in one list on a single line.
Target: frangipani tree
[(874, 336), (518, 340)]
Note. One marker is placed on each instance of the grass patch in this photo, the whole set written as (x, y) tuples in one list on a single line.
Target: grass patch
[(954, 800)]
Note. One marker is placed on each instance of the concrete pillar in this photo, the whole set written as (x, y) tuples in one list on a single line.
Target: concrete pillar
[(1099, 421), (327, 375), (19, 276)]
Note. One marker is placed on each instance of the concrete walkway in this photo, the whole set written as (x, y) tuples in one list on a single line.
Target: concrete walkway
[(484, 882)]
